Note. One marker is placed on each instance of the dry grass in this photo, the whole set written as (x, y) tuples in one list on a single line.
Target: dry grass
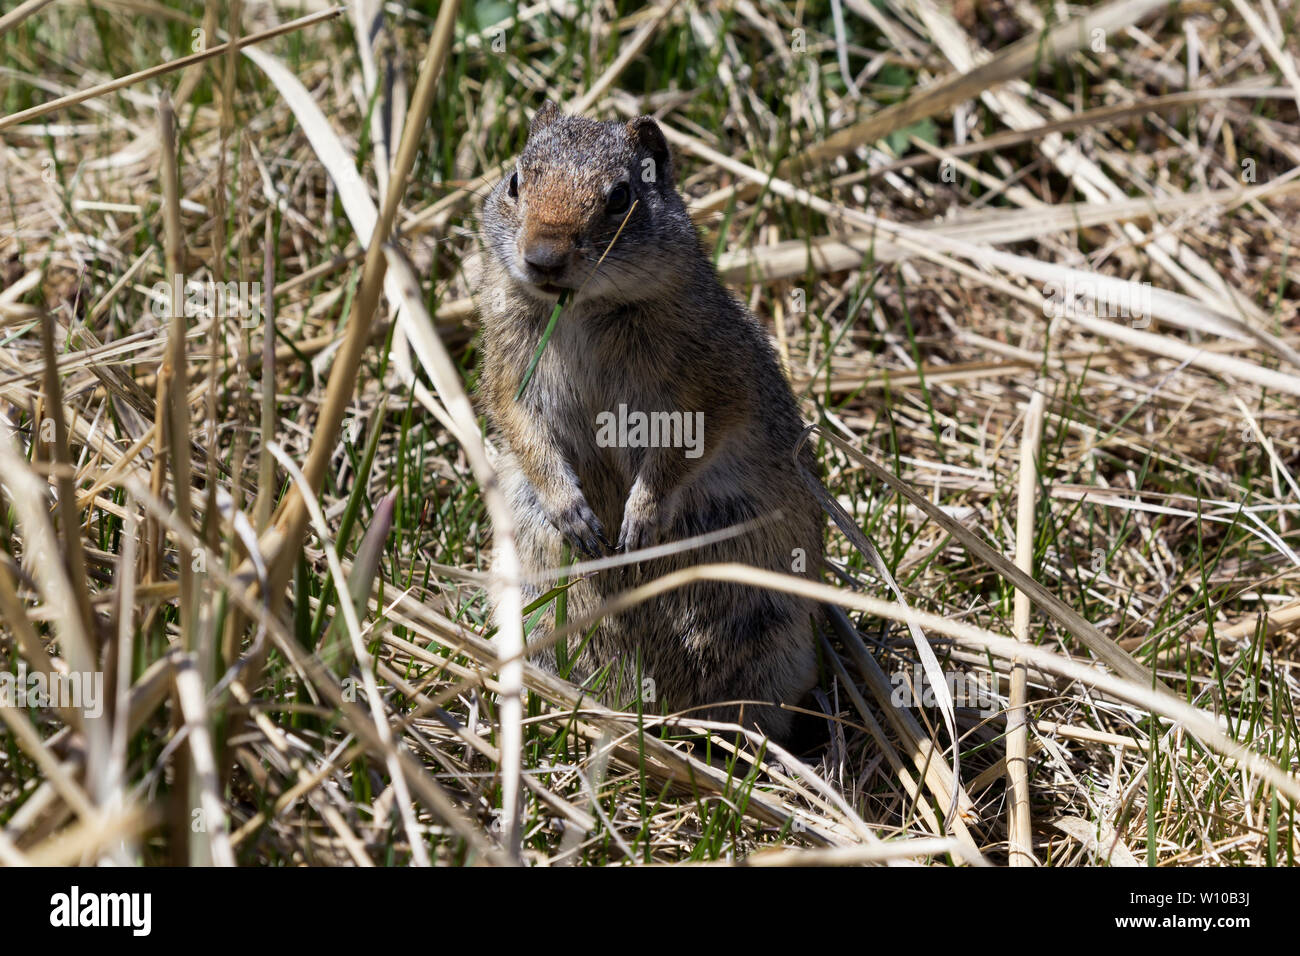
[(185, 500)]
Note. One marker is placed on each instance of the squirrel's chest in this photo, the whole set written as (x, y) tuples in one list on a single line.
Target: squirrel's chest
[(594, 380), (600, 366)]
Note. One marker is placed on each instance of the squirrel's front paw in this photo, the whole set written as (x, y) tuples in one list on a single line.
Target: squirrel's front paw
[(575, 520), (645, 520)]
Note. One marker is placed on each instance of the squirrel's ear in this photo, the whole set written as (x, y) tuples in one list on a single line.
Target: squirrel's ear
[(646, 134), (545, 116)]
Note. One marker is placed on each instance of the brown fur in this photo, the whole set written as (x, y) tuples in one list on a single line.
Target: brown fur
[(653, 329)]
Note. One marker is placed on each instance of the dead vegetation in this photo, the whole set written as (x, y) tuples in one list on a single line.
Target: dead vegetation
[(1035, 261)]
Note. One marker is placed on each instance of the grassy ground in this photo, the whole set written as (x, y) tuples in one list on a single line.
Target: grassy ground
[(928, 234)]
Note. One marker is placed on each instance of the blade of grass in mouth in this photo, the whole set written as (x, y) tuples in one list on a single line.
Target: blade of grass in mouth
[(564, 297), (541, 346)]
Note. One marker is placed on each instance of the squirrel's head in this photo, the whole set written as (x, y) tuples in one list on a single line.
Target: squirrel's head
[(578, 184)]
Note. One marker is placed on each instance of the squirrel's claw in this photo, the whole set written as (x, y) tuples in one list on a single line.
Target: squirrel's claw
[(582, 529), (637, 533), (645, 520)]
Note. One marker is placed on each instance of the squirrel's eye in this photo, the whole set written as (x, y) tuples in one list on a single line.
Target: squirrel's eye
[(617, 202), (513, 187)]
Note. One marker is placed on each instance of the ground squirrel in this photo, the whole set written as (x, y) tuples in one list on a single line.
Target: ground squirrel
[(657, 409)]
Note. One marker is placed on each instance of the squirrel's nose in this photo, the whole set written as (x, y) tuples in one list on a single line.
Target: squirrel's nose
[(549, 257)]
